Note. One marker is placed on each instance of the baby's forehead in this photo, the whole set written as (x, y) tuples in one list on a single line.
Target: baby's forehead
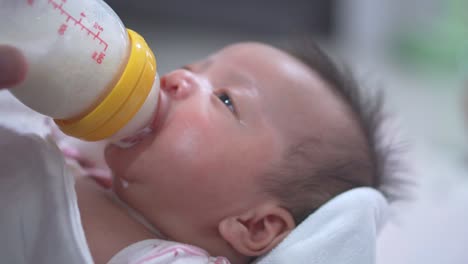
[(291, 94), (272, 68), (255, 53)]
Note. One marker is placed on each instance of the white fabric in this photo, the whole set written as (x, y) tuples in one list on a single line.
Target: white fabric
[(156, 251), (39, 220), (343, 231)]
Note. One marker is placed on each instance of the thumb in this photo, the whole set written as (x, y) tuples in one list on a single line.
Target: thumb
[(12, 66)]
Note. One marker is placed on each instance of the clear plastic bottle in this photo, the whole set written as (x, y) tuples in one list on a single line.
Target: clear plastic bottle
[(96, 78)]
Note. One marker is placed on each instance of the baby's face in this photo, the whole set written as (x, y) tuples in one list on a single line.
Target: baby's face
[(223, 122)]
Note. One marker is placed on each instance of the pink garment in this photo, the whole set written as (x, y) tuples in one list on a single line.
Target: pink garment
[(156, 251)]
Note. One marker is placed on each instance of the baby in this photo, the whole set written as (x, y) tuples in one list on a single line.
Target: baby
[(248, 143)]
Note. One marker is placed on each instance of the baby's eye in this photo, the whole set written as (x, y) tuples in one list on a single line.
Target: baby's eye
[(226, 100)]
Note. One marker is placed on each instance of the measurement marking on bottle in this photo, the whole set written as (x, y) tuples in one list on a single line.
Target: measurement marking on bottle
[(77, 22)]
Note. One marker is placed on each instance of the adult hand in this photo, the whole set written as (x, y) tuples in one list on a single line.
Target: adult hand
[(13, 67)]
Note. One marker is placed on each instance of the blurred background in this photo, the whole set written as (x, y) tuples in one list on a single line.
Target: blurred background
[(416, 50)]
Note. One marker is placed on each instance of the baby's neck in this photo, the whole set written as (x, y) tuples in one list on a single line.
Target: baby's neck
[(136, 216), (108, 227)]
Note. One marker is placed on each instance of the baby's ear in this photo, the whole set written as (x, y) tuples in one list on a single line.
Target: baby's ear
[(258, 230)]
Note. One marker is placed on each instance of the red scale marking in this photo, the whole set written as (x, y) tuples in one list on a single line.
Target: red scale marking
[(60, 7)]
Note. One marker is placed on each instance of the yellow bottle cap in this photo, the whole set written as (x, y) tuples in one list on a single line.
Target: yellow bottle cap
[(122, 102)]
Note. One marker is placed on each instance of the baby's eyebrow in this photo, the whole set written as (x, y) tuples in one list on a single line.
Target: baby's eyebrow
[(198, 66), (240, 78), (232, 76)]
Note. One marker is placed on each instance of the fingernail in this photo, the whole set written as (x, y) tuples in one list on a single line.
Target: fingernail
[(12, 67)]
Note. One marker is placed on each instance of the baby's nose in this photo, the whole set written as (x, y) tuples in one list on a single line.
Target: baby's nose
[(179, 84)]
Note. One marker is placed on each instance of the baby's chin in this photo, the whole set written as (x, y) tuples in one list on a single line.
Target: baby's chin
[(119, 184), (116, 156), (122, 189)]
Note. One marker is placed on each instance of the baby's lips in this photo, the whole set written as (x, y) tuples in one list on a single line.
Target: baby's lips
[(132, 140)]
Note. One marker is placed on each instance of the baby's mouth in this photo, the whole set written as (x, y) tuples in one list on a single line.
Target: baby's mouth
[(135, 139), (153, 127)]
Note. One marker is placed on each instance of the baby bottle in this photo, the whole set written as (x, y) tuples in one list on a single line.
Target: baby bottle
[(96, 78)]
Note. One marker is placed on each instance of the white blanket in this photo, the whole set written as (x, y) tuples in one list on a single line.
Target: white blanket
[(343, 231)]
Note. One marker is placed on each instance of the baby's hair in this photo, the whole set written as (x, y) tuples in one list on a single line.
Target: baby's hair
[(315, 170)]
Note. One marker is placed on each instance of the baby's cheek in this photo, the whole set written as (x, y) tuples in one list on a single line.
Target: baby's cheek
[(190, 144), (187, 149)]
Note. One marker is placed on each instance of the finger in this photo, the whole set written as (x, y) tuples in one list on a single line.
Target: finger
[(12, 67), (75, 154)]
